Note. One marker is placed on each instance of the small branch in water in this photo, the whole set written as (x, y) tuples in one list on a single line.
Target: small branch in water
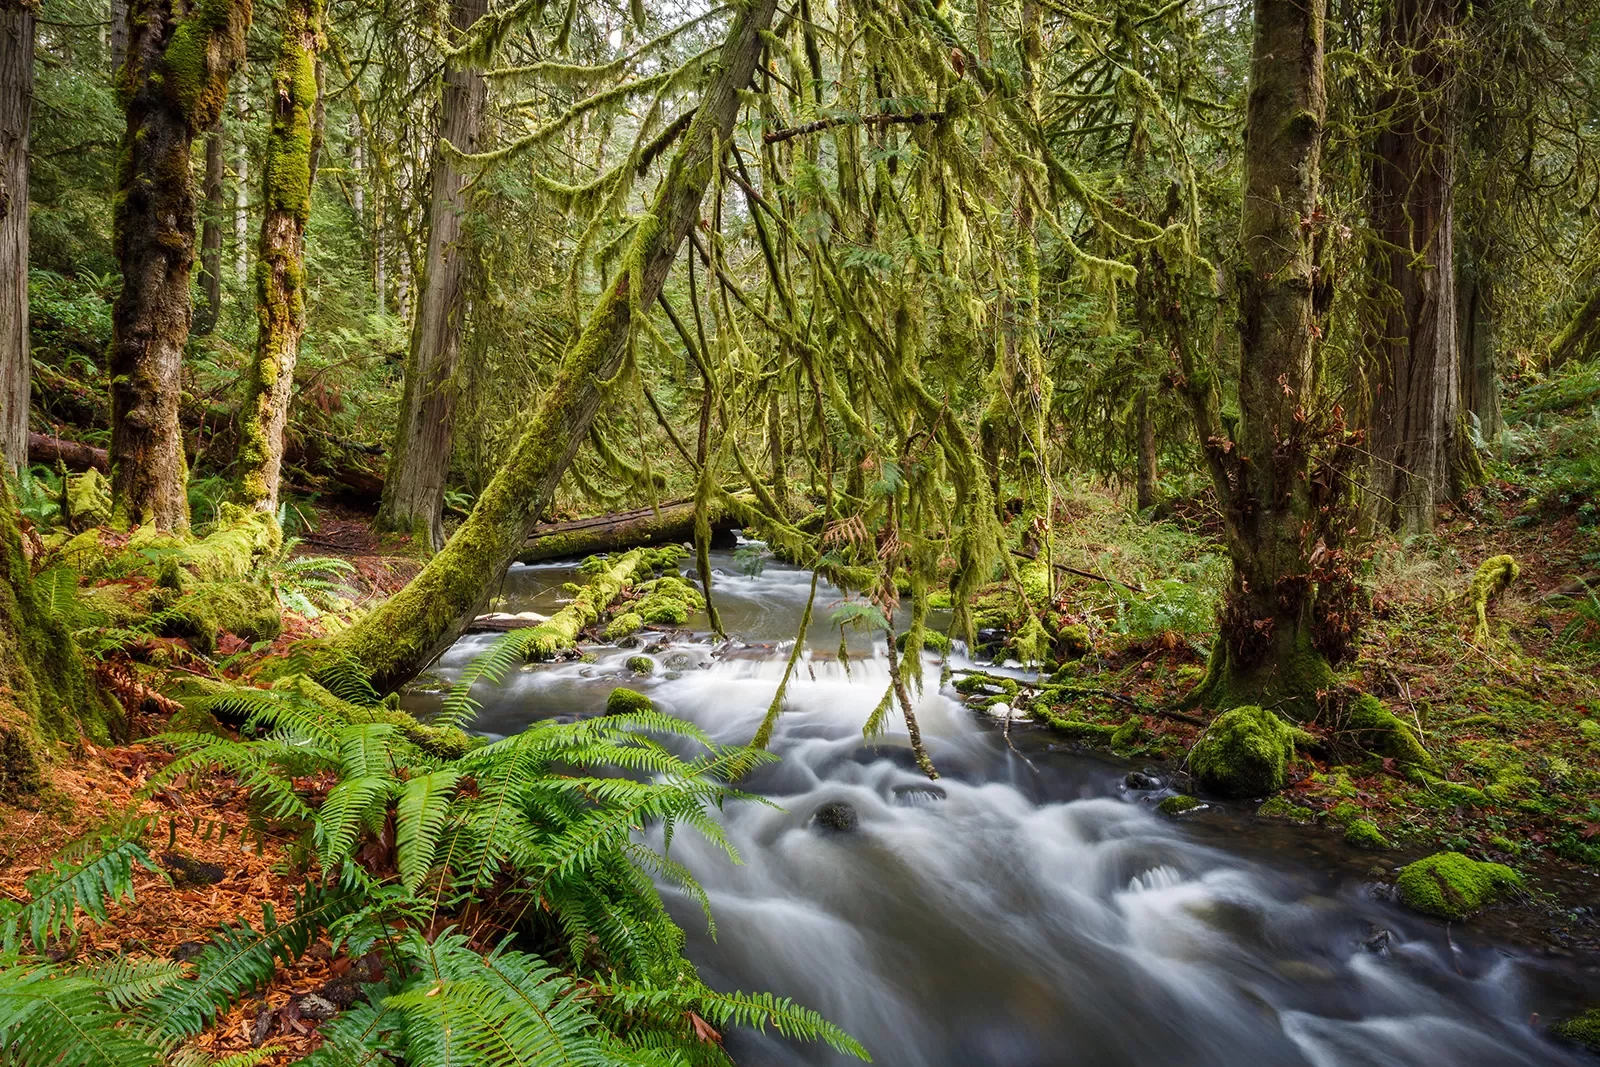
[(1109, 694), (897, 682)]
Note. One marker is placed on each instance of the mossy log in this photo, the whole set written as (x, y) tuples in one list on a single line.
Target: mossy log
[(620, 530), (74, 455), (403, 635), (560, 631), (1492, 578)]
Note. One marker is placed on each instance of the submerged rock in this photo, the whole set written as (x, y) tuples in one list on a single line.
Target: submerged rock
[(836, 817), (916, 796), (1141, 780), (641, 665), (1178, 805), (1452, 886)]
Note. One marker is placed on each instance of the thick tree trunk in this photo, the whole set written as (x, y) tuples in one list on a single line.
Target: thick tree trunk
[(1267, 649), (16, 109), (180, 57), (286, 177), (1415, 377), (205, 319), (403, 635), (413, 491)]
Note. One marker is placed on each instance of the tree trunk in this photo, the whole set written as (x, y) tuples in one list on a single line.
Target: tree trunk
[(1579, 339), (119, 36), (211, 236), (413, 491), (1147, 450), (621, 530), (241, 197), (1480, 379), (286, 178), (1416, 401), (1268, 650), (16, 108), (403, 635), (180, 58)]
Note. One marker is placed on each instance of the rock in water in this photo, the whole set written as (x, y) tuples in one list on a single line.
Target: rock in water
[(917, 796), (836, 817), (1141, 780)]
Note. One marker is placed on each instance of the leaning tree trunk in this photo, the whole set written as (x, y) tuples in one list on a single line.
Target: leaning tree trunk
[(1579, 339), (16, 107), (1415, 413), (1271, 645), (286, 180), (180, 57), (403, 635), (413, 490), (211, 236)]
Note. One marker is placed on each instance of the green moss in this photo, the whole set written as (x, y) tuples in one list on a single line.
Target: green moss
[(641, 665), (1490, 580), (1581, 1030), (1031, 643), (624, 625), (1177, 805), (1449, 885), (1091, 732), (1364, 834), (244, 609), (932, 641), (88, 499), (980, 683), (628, 702), (1073, 640), (1279, 808), (669, 601), (1129, 735), (1589, 730), (1377, 729), (1243, 752)]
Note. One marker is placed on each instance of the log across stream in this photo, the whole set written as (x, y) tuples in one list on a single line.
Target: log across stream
[(1029, 909)]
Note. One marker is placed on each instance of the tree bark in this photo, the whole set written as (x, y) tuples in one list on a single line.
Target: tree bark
[(620, 530), (119, 36), (403, 635), (1416, 403), (413, 491), (241, 197), (1579, 339), (211, 236), (1480, 378), (180, 58), (16, 109), (1269, 650), (1147, 450), (286, 178)]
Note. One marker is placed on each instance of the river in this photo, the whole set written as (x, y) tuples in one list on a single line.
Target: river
[(1027, 910)]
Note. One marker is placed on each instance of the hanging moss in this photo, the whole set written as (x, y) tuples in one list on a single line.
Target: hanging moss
[(1449, 885)]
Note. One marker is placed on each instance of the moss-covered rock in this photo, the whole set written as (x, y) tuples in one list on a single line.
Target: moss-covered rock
[(641, 665), (1243, 753), (1072, 640), (1129, 735), (932, 641), (1449, 885), (1377, 729), (1279, 808), (244, 609), (624, 701), (1362, 833), (1178, 804), (669, 601), (1581, 1030), (624, 625)]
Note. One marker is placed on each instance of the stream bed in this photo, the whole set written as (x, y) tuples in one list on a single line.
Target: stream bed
[(1028, 909)]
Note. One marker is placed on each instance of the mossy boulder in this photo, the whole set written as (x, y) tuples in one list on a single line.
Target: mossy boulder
[(1243, 753), (1178, 805), (641, 665), (1279, 808), (669, 601), (1581, 1030), (1448, 885), (932, 641), (624, 625), (623, 701), (1362, 833), (1377, 729)]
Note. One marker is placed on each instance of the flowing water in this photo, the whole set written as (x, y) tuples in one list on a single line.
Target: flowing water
[(1028, 909)]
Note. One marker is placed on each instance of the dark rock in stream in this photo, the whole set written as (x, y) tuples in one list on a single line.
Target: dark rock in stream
[(1141, 780), (836, 817)]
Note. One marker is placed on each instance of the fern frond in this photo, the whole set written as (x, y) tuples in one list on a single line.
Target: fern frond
[(420, 817), (49, 1018), (67, 888)]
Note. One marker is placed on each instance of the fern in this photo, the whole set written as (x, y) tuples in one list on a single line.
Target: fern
[(68, 887), (52, 1018)]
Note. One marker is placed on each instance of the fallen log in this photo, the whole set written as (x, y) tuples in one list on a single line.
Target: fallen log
[(623, 529), (500, 621), (74, 455)]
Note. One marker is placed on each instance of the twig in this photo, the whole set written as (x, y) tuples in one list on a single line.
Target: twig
[(915, 118), (1084, 574)]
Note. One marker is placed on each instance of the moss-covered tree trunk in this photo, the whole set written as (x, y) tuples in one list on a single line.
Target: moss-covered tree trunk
[(16, 109), (181, 55), (45, 691), (403, 635), (1579, 339), (1270, 649), (280, 259), (419, 459), (1480, 377), (1415, 412), (205, 319)]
